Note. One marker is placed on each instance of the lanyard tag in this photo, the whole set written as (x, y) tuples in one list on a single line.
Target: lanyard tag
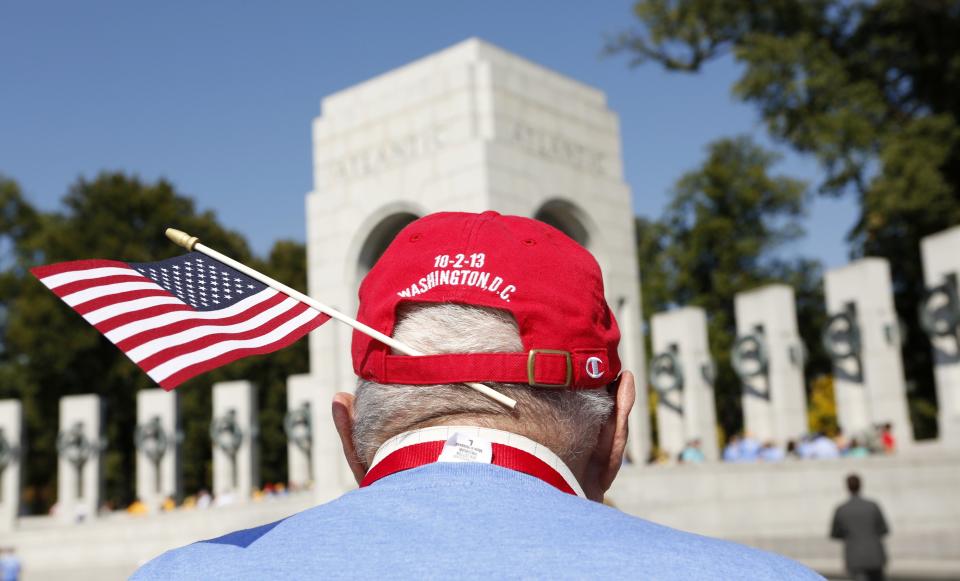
[(461, 447)]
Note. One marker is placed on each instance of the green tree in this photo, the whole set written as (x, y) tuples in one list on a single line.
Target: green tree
[(50, 351), (718, 237), (870, 88)]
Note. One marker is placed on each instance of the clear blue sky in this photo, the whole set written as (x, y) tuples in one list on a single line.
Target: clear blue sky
[(218, 96)]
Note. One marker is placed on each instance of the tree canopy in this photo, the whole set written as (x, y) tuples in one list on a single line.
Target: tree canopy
[(871, 89), (49, 351), (720, 236)]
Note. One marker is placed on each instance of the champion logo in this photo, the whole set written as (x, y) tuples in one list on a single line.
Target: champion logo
[(594, 367)]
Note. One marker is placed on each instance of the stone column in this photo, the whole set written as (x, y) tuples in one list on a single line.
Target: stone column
[(302, 399), (940, 316), (11, 445), (331, 475), (157, 437), (863, 337), (682, 372), (79, 444), (234, 432), (768, 357)]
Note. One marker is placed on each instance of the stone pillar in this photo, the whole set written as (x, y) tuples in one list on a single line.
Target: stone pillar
[(234, 432), (862, 335), (768, 356), (940, 316), (157, 437), (79, 444), (682, 372), (302, 399), (11, 446)]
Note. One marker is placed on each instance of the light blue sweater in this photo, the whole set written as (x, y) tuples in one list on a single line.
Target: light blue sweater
[(466, 521)]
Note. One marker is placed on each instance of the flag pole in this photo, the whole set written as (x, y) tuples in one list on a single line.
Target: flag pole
[(192, 243)]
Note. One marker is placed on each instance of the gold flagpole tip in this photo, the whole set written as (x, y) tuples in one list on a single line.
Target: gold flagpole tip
[(181, 238)]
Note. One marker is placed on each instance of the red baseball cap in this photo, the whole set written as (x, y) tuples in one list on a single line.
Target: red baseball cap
[(551, 285)]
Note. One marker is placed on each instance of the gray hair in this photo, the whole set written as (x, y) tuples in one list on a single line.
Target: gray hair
[(565, 421)]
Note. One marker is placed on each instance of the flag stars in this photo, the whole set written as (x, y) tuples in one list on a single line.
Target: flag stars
[(199, 283)]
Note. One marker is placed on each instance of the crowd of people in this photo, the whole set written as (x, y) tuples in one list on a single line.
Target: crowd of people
[(204, 499), (743, 447)]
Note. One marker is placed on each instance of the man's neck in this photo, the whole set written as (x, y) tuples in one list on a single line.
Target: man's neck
[(483, 437)]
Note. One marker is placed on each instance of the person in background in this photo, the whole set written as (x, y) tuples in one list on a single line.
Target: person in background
[(887, 439), (793, 453), (732, 452), (137, 508), (823, 447), (841, 441), (770, 452), (692, 453), (857, 449), (859, 523), (204, 500), (749, 448), (10, 567), (805, 448)]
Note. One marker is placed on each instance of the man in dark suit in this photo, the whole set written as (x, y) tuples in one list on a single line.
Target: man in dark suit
[(860, 524)]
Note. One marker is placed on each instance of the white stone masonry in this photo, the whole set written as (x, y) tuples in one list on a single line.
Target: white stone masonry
[(683, 374), (769, 358)]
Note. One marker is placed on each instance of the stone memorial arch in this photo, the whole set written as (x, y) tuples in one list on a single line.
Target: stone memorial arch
[(470, 128)]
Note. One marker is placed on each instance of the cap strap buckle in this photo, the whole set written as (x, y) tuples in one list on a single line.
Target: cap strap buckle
[(531, 365)]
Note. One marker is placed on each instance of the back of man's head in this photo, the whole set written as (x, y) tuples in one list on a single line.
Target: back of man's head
[(565, 421), (853, 484), (506, 301)]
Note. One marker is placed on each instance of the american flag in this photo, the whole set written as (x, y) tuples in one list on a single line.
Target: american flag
[(180, 317)]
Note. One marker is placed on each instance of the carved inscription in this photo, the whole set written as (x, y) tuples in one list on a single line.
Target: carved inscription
[(555, 147), (388, 154)]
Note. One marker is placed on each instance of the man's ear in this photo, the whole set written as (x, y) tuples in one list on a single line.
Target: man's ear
[(343, 420), (607, 456)]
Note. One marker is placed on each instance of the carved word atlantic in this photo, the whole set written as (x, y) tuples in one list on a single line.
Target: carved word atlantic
[(388, 154), (555, 147)]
